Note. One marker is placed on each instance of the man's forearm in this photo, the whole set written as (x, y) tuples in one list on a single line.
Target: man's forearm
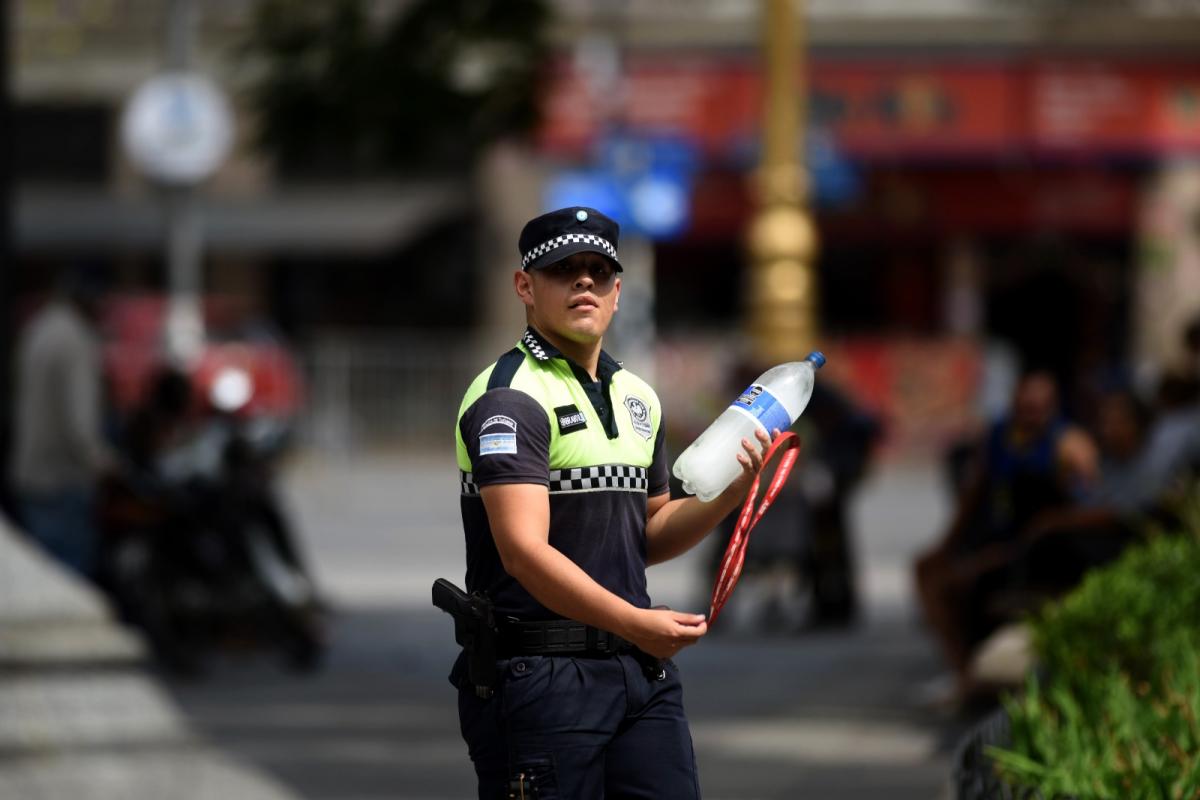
[(680, 524), (560, 585), (674, 527)]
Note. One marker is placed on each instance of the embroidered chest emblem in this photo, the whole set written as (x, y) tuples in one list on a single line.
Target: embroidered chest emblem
[(639, 414)]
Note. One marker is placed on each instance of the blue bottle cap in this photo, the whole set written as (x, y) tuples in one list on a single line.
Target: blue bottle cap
[(817, 358)]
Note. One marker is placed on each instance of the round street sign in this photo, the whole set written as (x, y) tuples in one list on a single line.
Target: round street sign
[(177, 128)]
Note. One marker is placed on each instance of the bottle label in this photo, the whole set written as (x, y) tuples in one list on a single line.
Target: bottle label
[(762, 405)]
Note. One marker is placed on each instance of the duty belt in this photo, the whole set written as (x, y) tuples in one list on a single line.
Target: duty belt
[(558, 637)]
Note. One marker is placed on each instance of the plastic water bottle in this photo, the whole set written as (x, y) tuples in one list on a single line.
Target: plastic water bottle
[(773, 401)]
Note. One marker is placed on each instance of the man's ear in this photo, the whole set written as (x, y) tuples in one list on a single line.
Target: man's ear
[(523, 284), (617, 299)]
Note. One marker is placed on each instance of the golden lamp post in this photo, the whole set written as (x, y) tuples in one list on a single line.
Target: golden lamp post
[(781, 313)]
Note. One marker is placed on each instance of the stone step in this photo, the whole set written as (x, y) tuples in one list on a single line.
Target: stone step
[(66, 643), (56, 713), (32, 587), (78, 718), (50, 619), (189, 775)]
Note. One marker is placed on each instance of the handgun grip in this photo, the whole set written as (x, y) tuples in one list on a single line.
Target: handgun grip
[(450, 598)]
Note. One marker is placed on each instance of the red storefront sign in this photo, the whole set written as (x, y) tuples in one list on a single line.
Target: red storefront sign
[(886, 109), (919, 202), (993, 200), (1131, 108)]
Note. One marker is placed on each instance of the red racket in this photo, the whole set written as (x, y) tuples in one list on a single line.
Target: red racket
[(735, 554)]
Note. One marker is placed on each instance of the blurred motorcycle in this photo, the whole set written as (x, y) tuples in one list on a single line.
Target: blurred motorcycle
[(198, 551)]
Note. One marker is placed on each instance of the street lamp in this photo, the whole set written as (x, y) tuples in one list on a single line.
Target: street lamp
[(781, 313)]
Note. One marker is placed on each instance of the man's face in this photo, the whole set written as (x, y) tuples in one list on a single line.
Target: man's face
[(1035, 403), (1118, 429), (574, 298)]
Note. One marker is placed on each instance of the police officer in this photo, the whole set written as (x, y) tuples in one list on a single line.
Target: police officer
[(564, 503)]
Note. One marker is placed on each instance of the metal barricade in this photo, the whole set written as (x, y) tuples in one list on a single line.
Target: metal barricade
[(974, 776)]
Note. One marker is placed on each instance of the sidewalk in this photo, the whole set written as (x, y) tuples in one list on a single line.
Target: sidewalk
[(80, 719)]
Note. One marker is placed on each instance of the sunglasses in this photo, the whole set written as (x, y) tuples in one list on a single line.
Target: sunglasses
[(600, 271)]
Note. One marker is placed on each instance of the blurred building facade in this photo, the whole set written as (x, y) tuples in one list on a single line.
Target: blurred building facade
[(319, 259), (996, 184), (77, 63), (982, 170)]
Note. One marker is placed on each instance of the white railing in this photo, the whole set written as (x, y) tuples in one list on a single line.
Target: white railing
[(396, 391)]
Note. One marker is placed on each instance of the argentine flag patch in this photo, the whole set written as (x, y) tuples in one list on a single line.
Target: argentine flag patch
[(493, 444)]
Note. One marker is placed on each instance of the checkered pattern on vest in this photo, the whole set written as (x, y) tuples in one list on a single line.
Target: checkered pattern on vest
[(568, 238), (607, 477)]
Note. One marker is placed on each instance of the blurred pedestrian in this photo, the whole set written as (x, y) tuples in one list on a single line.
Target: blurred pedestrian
[(159, 420), (1173, 448), (60, 451), (565, 502), (1175, 439), (1191, 348), (840, 446), (1031, 461), (808, 536)]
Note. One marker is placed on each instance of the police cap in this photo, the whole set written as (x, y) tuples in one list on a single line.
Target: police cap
[(553, 236)]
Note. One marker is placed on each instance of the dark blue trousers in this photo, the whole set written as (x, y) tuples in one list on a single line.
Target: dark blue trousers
[(580, 728)]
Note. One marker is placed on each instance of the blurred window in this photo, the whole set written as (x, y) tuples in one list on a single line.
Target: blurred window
[(63, 143)]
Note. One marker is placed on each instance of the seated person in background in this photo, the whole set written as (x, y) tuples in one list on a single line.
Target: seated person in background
[(1173, 447), (1123, 426), (1059, 545), (1030, 461), (1189, 370)]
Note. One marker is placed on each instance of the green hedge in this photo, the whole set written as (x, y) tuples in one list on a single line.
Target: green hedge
[(1119, 714)]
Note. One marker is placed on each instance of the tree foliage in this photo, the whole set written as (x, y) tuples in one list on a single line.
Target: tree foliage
[(341, 89)]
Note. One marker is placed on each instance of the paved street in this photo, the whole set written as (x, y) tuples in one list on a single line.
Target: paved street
[(834, 715)]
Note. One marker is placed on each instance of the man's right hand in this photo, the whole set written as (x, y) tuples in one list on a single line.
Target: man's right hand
[(662, 633)]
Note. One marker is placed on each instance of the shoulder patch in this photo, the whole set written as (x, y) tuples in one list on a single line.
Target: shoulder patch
[(639, 414), (494, 444), (570, 419), (499, 419)]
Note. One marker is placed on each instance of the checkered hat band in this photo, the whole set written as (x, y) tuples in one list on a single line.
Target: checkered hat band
[(607, 477), (569, 238)]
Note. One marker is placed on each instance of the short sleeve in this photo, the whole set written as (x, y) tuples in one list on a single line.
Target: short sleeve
[(658, 479), (507, 436)]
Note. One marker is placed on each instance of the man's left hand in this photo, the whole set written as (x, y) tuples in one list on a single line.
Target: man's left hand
[(751, 461)]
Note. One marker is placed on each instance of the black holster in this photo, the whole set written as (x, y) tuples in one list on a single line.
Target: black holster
[(474, 629)]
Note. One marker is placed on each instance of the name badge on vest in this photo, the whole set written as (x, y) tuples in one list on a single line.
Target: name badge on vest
[(570, 419)]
